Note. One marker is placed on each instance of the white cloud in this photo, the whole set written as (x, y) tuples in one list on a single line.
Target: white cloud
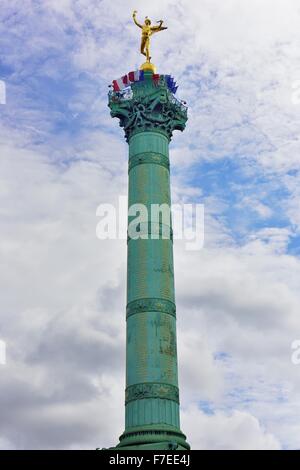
[(238, 431)]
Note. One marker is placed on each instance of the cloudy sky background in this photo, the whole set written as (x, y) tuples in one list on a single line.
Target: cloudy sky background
[(61, 155)]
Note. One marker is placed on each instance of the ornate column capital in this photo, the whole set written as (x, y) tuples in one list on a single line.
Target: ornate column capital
[(148, 106)]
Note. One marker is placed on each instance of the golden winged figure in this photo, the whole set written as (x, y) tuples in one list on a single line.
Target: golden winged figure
[(147, 31)]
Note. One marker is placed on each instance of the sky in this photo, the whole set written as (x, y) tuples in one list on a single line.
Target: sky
[(63, 291)]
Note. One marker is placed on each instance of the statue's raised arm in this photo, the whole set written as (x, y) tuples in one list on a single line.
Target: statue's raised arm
[(160, 27), (135, 20)]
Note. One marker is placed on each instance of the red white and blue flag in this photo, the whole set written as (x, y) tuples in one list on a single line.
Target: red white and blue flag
[(155, 78), (136, 76), (171, 83), (121, 83), (126, 80)]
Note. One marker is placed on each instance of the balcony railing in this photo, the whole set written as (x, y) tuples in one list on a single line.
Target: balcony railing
[(127, 94)]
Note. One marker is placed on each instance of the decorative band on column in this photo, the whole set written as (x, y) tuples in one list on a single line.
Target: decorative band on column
[(150, 305), (151, 390), (153, 231), (149, 157)]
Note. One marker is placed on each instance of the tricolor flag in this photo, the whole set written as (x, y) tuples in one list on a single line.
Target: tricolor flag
[(155, 78), (121, 83), (126, 80), (171, 84), (136, 76)]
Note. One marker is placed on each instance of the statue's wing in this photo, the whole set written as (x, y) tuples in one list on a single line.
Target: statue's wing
[(155, 29)]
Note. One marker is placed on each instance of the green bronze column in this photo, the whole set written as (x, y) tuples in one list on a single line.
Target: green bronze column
[(149, 115)]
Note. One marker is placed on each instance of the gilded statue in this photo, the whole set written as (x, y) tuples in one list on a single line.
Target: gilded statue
[(147, 31)]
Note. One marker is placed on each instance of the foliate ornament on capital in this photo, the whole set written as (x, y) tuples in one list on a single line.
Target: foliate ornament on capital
[(148, 107)]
